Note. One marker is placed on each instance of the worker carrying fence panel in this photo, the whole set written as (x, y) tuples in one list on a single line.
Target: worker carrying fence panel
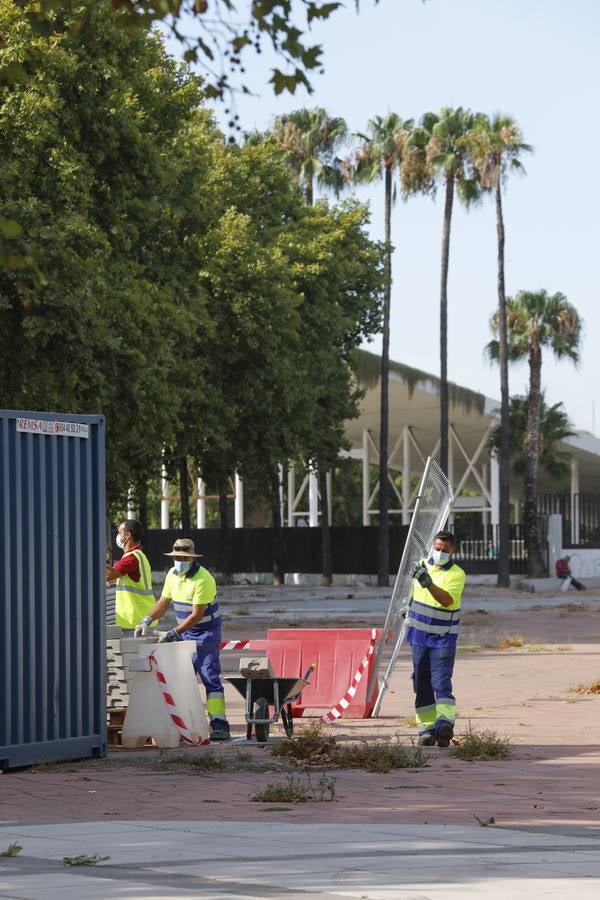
[(433, 623), (192, 590)]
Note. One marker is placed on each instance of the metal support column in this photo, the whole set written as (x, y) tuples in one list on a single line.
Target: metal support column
[(495, 490), (405, 476), (574, 501), (201, 505), (291, 492), (313, 497), (238, 510), (164, 499), (365, 478), (451, 480)]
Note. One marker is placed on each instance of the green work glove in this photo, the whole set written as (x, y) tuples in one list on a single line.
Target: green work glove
[(422, 575)]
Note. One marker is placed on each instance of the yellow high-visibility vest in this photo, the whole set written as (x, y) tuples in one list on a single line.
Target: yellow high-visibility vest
[(134, 598)]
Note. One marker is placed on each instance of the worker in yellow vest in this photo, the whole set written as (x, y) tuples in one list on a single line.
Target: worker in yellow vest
[(133, 576), (192, 590), (432, 631)]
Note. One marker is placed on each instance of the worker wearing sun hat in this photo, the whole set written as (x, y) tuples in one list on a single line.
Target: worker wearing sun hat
[(192, 590)]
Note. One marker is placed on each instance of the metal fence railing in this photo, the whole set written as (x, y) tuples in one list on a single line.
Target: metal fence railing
[(478, 545), (580, 517)]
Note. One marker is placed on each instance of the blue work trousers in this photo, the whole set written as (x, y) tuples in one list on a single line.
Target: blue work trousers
[(432, 682), (207, 664)]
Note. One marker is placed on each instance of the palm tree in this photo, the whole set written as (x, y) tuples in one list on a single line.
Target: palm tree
[(381, 155), (554, 428), (309, 140), (535, 320), (447, 154), (495, 147)]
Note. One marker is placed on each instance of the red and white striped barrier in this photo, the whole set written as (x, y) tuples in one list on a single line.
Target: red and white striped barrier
[(235, 645), (186, 735), (338, 710)]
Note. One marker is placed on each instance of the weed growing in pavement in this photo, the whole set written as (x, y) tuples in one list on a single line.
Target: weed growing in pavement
[(510, 642), (297, 790), (84, 860), (12, 850), (208, 761), (517, 642), (312, 748), (593, 688), (565, 609), (481, 745), (326, 787), (242, 610), (204, 760)]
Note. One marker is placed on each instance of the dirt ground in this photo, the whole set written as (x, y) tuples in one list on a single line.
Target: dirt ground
[(521, 660)]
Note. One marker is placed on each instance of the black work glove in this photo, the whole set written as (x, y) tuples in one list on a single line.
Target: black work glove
[(422, 575)]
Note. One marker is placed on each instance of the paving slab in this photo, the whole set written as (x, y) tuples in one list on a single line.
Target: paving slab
[(379, 860), (174, 829)]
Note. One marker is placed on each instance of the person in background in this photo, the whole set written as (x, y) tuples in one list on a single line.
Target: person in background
[(563, 572), (133, 576), (432, 631), (192, 590)]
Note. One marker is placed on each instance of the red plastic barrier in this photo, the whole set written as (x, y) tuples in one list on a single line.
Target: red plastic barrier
[(337, 652)]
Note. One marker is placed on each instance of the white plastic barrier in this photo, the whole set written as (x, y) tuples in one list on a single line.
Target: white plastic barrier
[(166, 706)]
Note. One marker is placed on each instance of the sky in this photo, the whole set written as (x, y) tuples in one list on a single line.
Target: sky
[(536, 60)]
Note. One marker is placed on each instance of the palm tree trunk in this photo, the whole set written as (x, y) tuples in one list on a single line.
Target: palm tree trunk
[(184, 495), (504, 529), (535, 567), (309, 192), (444, 323), (327, 566), (383, 572)]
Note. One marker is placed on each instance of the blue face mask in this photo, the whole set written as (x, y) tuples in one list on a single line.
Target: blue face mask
[(181, 567), (440, 557)]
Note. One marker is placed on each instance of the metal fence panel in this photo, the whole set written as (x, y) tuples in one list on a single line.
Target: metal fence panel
[(52, 615), (431, 510)]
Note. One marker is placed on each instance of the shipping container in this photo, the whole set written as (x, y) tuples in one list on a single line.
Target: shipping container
[(52, 608)]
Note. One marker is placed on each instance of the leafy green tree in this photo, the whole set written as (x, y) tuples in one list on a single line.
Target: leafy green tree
[(382, 153), (495, 146), (554, 428), (101, 116), (536, 320), (213, 33), (447, 155)]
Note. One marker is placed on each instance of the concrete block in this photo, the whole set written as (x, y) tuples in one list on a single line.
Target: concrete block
[(255, 667)]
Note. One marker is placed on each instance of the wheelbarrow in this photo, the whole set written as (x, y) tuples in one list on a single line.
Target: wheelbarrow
[(261, 693)]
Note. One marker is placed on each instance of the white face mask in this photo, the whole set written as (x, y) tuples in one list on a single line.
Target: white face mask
[(120, 542), (440, 557)]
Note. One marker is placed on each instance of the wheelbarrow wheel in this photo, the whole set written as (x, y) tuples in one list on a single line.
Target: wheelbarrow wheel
[(261, 711)]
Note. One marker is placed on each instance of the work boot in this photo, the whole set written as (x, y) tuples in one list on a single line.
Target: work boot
[(426, 740), (444, 734), (219, 730)]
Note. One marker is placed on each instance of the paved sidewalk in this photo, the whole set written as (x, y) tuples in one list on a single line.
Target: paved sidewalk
[(228, 861), (177, 829)]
